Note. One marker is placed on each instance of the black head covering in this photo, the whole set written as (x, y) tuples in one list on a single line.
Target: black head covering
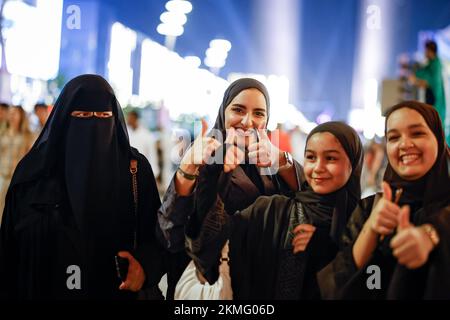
[(90, 157), (433, 189), (334, 209), (232, 91)]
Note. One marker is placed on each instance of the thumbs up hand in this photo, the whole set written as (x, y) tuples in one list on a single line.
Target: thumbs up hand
[(200, 151), (411, 245), (384, 216)]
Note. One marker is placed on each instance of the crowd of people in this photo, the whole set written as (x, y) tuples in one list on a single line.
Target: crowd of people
[(83, 218)]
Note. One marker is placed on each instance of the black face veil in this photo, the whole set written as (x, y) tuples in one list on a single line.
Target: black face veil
[(90, 156)]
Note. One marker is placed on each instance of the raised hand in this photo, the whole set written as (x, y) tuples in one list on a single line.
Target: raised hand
[(200, 151), (384, 217), (411, 245), (262, 153), (234, 154), (303, 234)]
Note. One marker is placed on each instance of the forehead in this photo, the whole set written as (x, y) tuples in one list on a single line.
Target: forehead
[(323, 141), (250, 97), (403, 118)]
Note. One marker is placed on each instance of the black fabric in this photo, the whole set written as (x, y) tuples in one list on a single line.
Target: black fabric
[(70, 203), (232, 91), (262, 264)]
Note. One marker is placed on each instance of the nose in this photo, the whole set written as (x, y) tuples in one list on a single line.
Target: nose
[(319, 167), (247, 121), (406, 143)]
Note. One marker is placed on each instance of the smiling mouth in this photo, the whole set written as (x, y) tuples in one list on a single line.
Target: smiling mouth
[(408, 159), (319, 180)]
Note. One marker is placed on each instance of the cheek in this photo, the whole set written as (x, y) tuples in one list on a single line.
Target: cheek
[(232, 120)]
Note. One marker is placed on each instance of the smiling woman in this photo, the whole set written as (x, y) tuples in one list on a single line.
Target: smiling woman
[(407, 238)]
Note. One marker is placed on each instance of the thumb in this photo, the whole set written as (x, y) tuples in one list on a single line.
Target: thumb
[(204, 127), (387, 192), (403, 218)]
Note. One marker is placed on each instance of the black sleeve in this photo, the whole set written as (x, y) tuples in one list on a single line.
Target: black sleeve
[(7, 250), (338, 272), (149, 251)]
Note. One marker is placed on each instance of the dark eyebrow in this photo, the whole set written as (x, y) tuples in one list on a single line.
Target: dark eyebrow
[(326, 151), (413, 126), (260, 110), (239, 105)]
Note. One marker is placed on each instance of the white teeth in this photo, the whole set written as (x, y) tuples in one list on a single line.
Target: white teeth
[(408, 158)]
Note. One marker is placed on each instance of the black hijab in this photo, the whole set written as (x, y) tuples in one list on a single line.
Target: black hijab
[(335, 208), (90, 157), (433, 189), (232, 91)]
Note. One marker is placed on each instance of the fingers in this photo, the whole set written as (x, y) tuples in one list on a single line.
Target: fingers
[(387, 191), (403, 218), (305, 228), (204, 127), (303, 234), (125, 254), (234, 156)]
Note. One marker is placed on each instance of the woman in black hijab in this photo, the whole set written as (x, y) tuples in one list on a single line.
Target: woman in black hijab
[(70, 210), (279, 243), (245, 107), (405, 231)]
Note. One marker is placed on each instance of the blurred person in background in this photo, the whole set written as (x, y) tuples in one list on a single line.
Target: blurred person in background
[(14, 144), (430, 77), (298, 141), (4, 107), (373, 169), (143, 140), (41, 112)]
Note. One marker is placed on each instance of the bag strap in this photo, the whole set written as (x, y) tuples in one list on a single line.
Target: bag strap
[(133, 171), (224, 254)]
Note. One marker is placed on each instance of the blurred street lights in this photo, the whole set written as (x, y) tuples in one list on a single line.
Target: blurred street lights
[(216, 54), (172, 21)]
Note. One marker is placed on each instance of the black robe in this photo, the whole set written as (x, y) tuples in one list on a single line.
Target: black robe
[(341, 279), (262, 264), (70, 208), (40, 240)]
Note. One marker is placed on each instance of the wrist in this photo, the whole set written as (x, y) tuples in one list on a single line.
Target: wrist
[(431, 234), (285, 160), (189, 168)]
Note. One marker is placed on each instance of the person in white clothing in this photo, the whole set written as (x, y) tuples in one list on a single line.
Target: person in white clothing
[(143, 140)]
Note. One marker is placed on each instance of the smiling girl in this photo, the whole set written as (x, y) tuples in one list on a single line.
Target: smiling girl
[(277, 245), (406, 230)]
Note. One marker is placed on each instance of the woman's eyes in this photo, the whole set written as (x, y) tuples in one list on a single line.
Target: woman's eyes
[(238, 110), (310, 157)]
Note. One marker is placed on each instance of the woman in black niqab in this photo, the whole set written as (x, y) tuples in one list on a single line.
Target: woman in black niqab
[(79, 171)]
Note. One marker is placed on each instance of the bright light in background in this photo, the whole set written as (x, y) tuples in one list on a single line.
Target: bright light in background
[(172, 21), (180, 6), (123, 43), (216, 54), (164, 72), (33, 41), (281, 110), (176, 18), (193, 61)]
